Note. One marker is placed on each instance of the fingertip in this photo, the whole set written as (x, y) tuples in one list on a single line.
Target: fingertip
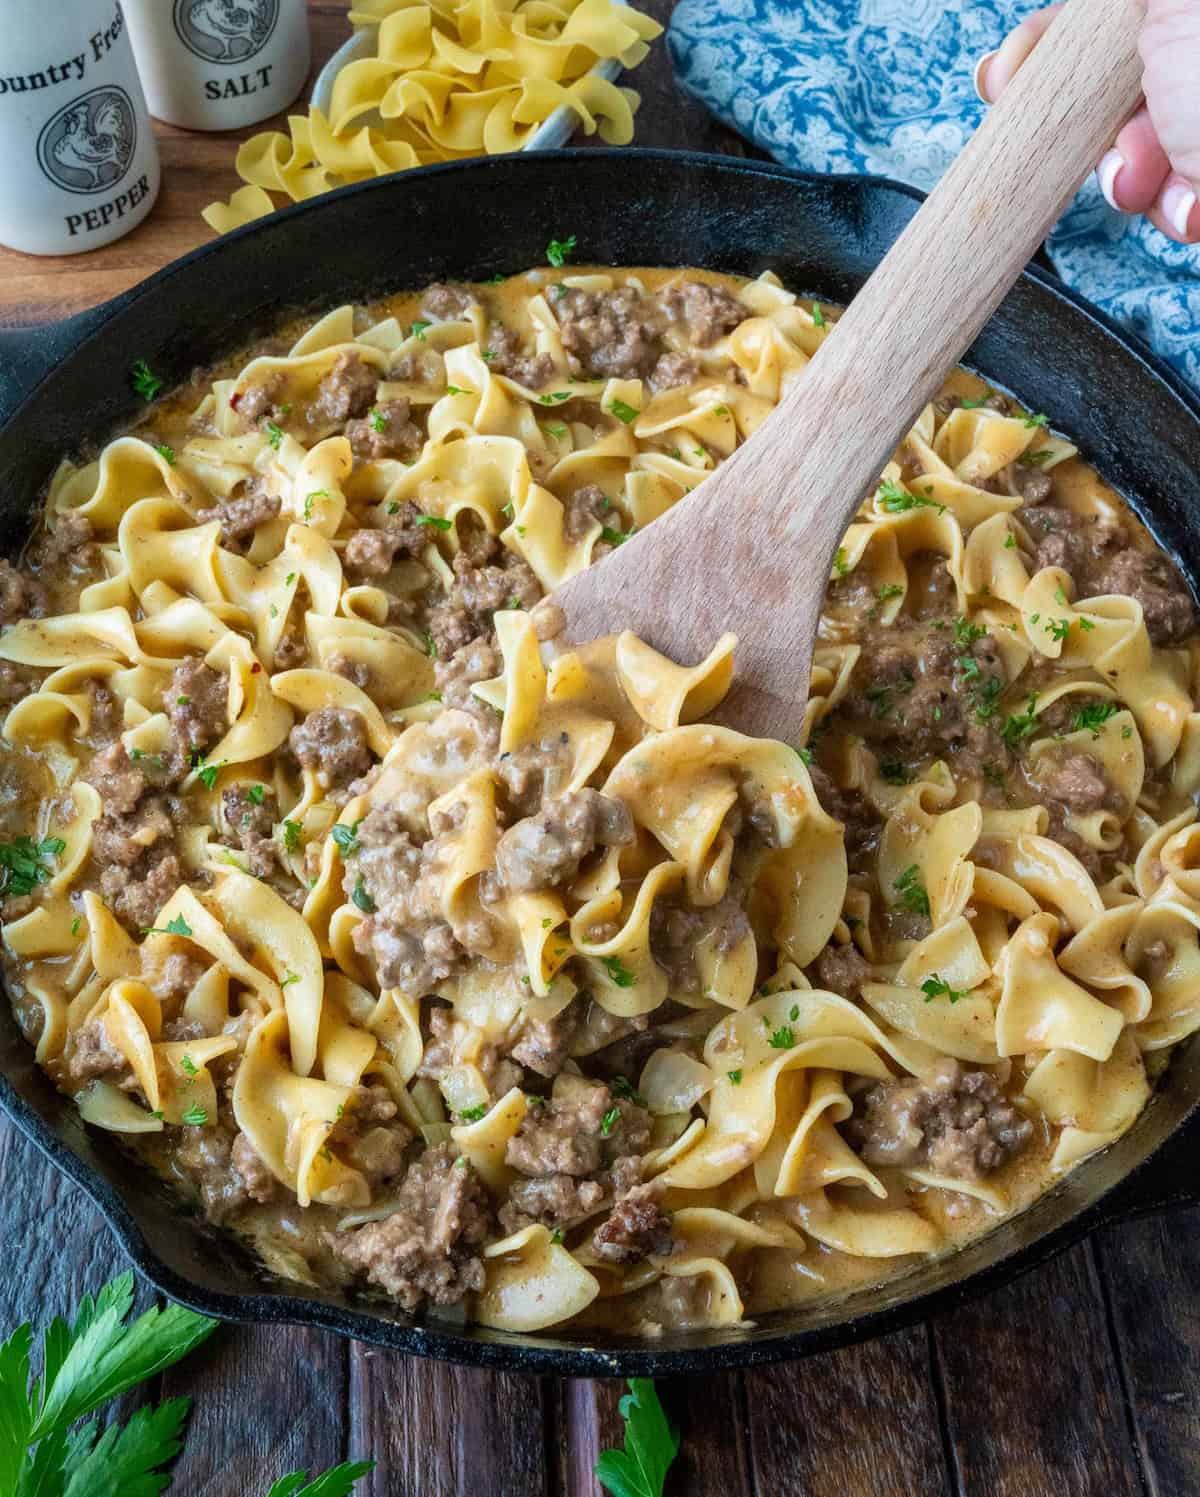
[(981, 78), (1179, 207), (1145, 166)]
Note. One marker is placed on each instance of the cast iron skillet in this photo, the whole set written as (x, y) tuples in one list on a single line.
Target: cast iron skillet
[(65, 385)]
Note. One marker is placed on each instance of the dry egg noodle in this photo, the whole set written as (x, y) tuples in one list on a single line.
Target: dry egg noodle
[(444, 82), (482, 973)]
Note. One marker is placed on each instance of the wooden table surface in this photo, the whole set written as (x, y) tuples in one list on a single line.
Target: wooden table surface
[(1081, 1378)]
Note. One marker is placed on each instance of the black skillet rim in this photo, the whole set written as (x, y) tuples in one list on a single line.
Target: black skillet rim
[(475, 1346)]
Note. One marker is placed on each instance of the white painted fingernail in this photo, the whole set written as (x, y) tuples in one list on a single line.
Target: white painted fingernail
[(978, 76), (1106, 175), (1178, 205)]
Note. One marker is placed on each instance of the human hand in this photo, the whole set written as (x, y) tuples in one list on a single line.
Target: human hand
[(1154, 165)]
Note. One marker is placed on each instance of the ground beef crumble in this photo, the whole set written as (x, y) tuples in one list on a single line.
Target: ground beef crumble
[(426, 1251), (332, 742)]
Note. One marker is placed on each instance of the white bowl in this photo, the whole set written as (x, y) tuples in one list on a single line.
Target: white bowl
[(554, 131)]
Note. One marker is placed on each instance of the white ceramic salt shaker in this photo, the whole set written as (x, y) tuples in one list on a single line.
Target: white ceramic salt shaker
[(219, 64), (78, 162)]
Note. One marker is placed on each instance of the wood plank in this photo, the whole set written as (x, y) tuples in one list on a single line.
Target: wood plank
[(1033, 1401), (266, 1400), (709, 1412), (442, 1431), (861, 1422), (1151, 1270)]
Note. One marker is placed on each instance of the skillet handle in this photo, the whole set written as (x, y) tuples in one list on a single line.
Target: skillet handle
[(1168, 1181), (28, 354)]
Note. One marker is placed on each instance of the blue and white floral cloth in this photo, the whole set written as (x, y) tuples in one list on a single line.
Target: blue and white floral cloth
[(886, 87)]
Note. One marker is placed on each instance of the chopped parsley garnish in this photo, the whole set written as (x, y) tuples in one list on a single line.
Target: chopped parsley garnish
[(378, 420), (362, 899), (289, 579), (274, 433), (189, 1067), (1032, 421), (621, 1086), (934, 987), (436, 521), (805, 755), (76, 925), (609, 1121), (985, 698), (1086, 625), (889, 591), (880, 694), (256, 793), (153, 759), (456, 390), (558, 250), (1093, 717), (487, 354), (616, 537), (346, 837), (556, 1236), (1127, 731), (623, 412), (966, 633), (432, 696), (196, 1116), (993, 774), (1058, 628), (840, 565), (556, 397), (292, 838), (166, 452), (145, 382), (818, 316), (735, 1076), (308, 501), (895, 773), (176, 927), (1010, 542), (894, 500), (618, 974), (1036, 459), (430, 644), (289, 978), (473, 1114), (912, 892), (1019, 725), (782, 1038), (971, 405), (25, 863), (418, 329), (555, 428), (207, 773)]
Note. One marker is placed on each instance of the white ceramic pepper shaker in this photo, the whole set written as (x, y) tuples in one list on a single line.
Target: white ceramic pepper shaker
[(78, 162), (219, 64)]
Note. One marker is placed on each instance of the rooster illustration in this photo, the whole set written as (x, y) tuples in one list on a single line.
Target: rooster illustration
[(90, 142), (229, 22)]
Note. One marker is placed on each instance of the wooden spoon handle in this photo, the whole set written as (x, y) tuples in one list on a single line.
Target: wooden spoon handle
[(751, 549)]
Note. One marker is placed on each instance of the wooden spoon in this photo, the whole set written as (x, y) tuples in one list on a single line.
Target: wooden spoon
[(751, 549)]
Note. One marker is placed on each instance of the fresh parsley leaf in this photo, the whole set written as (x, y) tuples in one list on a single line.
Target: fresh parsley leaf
[(735, 1077), (127, 1459), (166, 452), (308, 501), (145, 382), (609, 1121), (196, 1116), (255, 794), (894, 500), (966, 633), (292, 838), (189, 1067), (178, 927), (971, 405), (619, 974), (336, 1482), (431, 648), (26, 863), (435, 521), (912, 892), (1020, 725), (934, 987), (782, 1038), (289, 978), (274, 433), (207, 773), (473, 1114), (889, 591), (624, 413), (840, 565), (556, 397), (895, 773), (1036, 459), (378, 420), (418, 330), (99, 1356), (621, 1086), (556, 1236), (558, 250), (556, 428), (76, 925), (346, 837), (1010, 542), (818, 316), (362, 899), (1093, 717), (1058, 628), (456, 390), (1032, 421)]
